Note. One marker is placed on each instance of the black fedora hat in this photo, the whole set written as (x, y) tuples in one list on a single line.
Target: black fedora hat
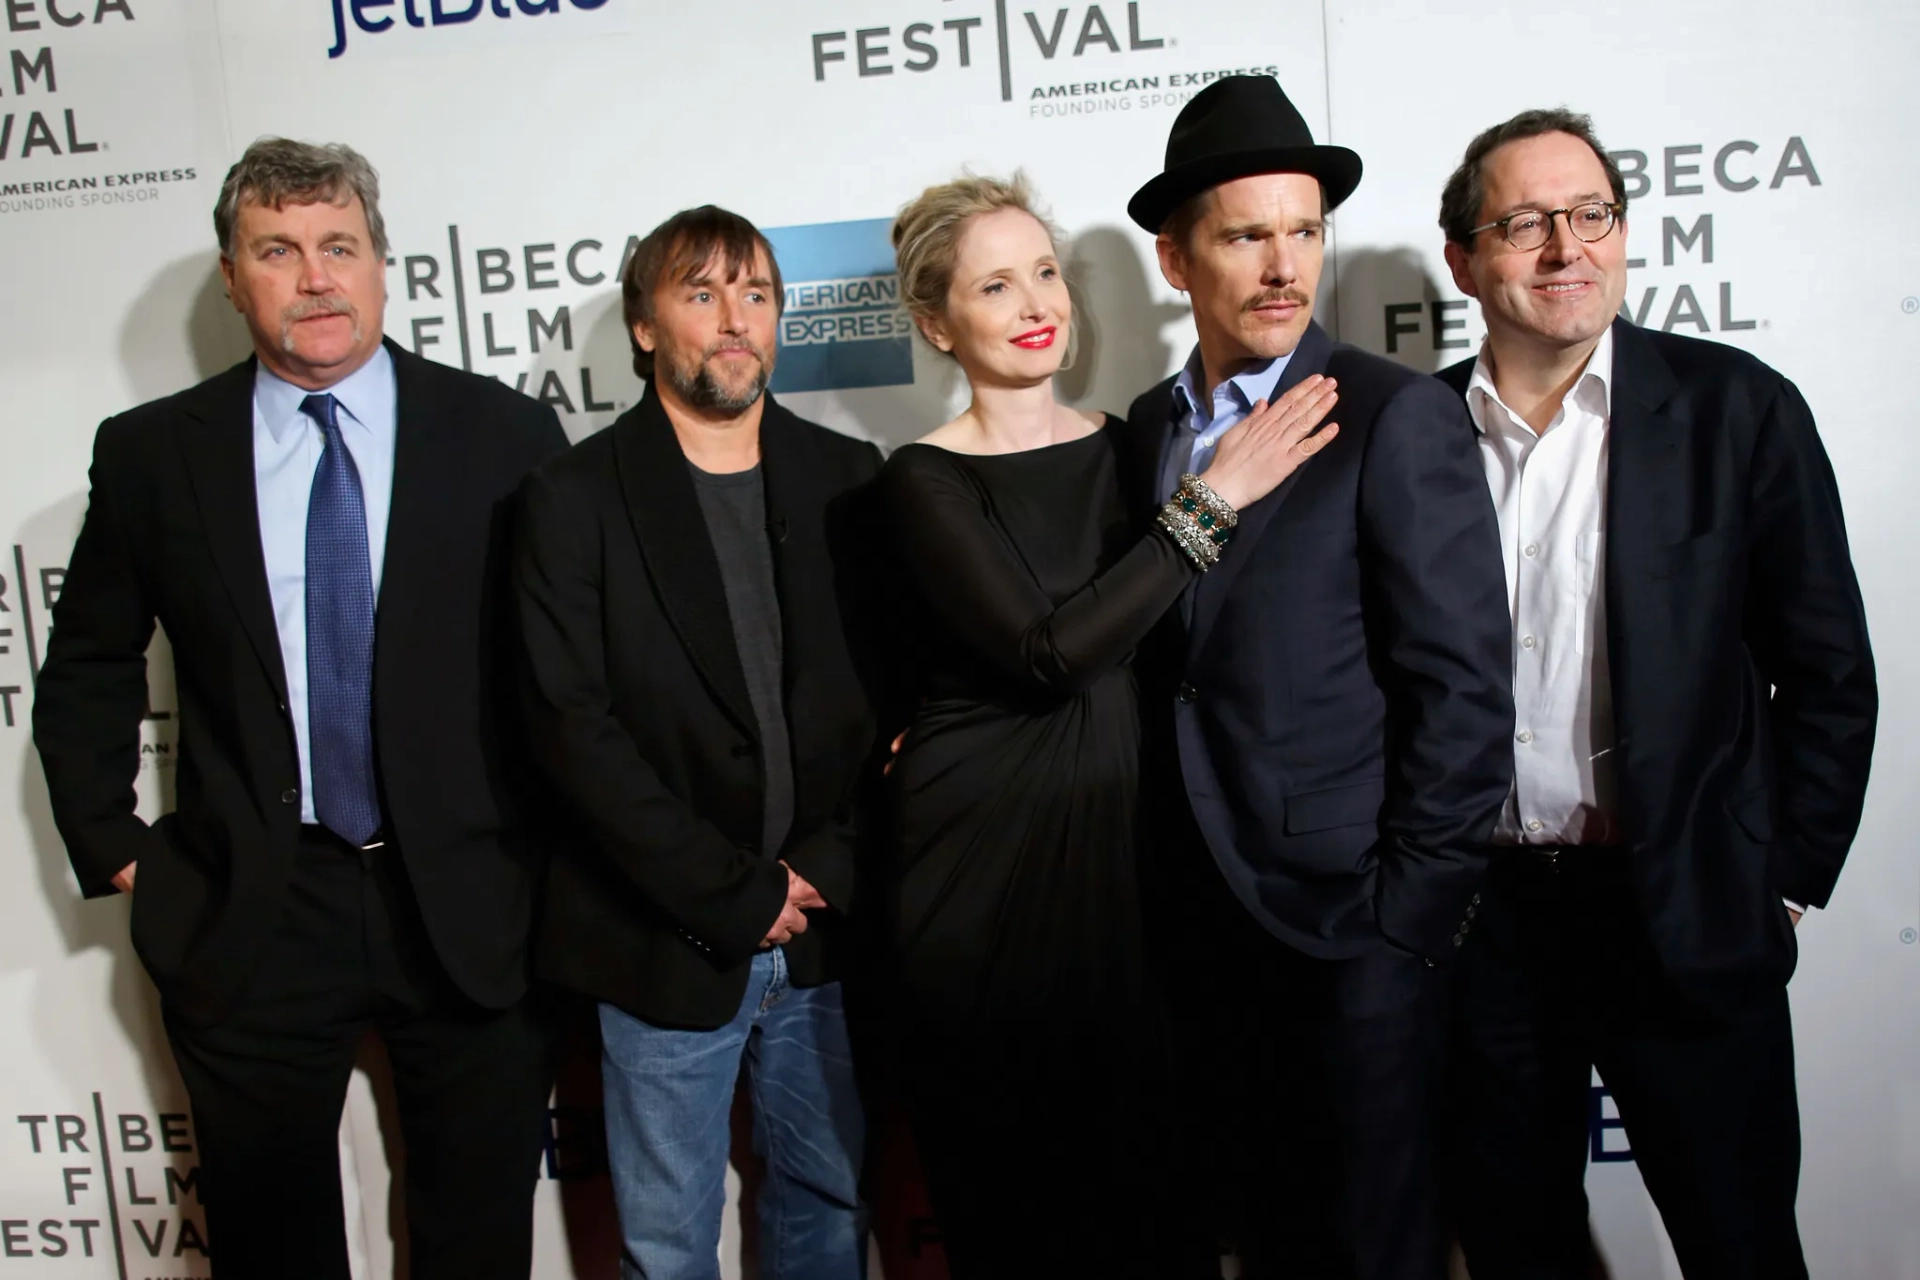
[(1237, 126)]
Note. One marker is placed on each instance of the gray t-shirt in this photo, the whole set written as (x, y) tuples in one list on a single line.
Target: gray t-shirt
[(736, 509)]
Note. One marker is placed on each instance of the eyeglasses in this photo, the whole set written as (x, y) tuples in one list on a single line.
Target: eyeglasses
[(1531, 228)]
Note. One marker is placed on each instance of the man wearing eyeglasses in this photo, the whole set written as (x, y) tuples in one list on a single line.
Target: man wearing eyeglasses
[(1695, 706)]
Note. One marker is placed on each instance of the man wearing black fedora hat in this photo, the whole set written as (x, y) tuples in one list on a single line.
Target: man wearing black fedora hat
[(1329, 716)]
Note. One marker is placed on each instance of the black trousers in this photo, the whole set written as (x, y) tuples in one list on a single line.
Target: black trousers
[(268, 1084), (1557, 979), (1312, 1089)]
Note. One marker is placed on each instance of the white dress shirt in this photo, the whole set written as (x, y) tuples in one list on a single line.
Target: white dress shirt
[(1550, 490), (287, 445)]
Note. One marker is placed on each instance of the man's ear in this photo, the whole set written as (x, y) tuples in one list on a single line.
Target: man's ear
[(1457, 258), (1173, 261), (643, 334), (226, 275)]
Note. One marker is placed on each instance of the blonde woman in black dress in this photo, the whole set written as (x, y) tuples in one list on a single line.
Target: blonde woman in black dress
[(1032, 1042)]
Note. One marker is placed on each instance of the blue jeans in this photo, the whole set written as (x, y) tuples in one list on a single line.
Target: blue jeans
[(668, 1097)]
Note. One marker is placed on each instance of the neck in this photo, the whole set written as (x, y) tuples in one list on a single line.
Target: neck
[(1012, 419), (1220, 361), (1533, 380), (716, 442)]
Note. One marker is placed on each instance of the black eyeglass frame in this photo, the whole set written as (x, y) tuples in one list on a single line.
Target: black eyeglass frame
[(1616, 210)]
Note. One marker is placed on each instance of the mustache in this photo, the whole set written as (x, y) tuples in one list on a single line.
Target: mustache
[(332, 304), (1266, 297), (719, 348)]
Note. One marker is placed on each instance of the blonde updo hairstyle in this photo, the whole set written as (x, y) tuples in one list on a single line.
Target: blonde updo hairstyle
[(926, 242)]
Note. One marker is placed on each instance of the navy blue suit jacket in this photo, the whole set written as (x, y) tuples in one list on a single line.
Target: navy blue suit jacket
[(1744, 697), (1341, 700)]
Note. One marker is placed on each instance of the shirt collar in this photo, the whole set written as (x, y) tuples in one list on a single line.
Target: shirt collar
[(1593, 389), (362, 395), (1247, 386)]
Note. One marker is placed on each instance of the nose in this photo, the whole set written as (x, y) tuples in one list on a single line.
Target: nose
[(1032, 305), (1280, 267), (318, 275), (733, 316), (1562, 245)]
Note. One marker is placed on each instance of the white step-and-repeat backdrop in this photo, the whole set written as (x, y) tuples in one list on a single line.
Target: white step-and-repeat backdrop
[(523, 144)]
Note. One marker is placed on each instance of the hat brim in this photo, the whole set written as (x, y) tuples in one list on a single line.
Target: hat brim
[(1337, 168)]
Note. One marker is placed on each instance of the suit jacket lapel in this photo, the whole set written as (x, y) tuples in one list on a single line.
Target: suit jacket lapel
[(426, 443), (1645, 501), (1310, 357), (671, 528), (217, 439), (802, 572)]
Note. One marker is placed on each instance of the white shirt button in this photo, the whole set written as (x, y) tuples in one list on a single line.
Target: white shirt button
[(1534, 824), (1526, 642), (1533, 549), (1526, 735)]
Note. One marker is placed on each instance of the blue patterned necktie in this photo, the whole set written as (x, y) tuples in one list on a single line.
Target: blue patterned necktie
[(339, 639)]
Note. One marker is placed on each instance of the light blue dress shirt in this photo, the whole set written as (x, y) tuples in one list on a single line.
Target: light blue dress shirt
[(286, 452), (1197, 427)]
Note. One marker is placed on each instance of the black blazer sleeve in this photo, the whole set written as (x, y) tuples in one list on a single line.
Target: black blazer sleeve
[(724, 897), (976, 584), (92, 692), (1808, 632), (1436, 600)]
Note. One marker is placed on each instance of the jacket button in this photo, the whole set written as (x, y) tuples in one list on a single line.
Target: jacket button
[(1460, 939), (281, 707), (290, 796), (1470, 910), (1188, 693)]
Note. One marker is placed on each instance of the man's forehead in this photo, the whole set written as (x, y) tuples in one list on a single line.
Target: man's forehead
[(715, 266), (262, 215), (1550, 163)]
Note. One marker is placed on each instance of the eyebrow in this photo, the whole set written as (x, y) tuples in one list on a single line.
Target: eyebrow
[(1585, 197), (705, 281), (1044, 261)]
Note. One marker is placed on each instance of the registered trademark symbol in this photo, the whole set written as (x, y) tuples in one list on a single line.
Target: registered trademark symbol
[(1910, 936), (1766, 324), (1910, 305)]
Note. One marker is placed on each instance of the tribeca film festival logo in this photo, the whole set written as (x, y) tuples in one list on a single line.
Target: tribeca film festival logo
[(373, 17), (496, 308), (1059, 37), (130, 1186), (35, 126), (1691, 305)]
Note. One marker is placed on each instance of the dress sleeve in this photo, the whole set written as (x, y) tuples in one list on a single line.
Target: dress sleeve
[(975, 581)]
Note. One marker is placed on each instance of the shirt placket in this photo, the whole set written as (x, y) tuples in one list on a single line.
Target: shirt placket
[(1531, 532)]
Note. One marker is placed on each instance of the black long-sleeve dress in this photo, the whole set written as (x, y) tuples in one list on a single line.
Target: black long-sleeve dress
[(1033, 1044)]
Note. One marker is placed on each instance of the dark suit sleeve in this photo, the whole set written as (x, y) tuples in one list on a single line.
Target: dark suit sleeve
[(827, 856), (725, 898), (1808, 632), (1437, 612), (976, 583), (92, 692)]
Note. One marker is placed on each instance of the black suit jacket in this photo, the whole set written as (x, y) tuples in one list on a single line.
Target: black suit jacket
[(1744, 698), (1342, 702), (172, 535), (641, 718)]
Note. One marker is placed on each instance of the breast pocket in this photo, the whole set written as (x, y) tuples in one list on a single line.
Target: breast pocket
[(1695, 556)]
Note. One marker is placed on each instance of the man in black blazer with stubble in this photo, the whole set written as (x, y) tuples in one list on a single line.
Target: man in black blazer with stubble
[(321, 531), (1696, 708), (694, 704), (1327, 719)]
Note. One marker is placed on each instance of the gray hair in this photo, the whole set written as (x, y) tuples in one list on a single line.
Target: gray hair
[(1466, 190), (278, 171)]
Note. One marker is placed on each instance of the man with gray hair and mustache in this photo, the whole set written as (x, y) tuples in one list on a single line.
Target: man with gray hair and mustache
[(320, 530)]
